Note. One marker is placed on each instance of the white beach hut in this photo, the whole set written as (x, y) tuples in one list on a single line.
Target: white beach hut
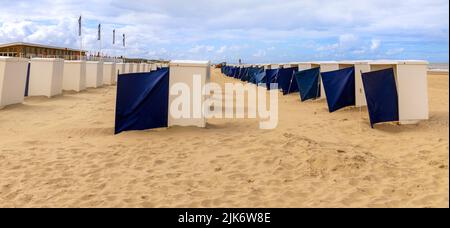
[(138, 68), (184, 72), (266, 66), (135, 68), (412, 86), (13, 76), (144, 67), (74, 78), (289, 65), (274, 66), (45, 77), (153, 66), (120, 68), (109, 73), (128, 68), (94, 74)]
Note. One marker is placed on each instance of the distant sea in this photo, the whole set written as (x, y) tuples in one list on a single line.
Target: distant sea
[(438, 66)]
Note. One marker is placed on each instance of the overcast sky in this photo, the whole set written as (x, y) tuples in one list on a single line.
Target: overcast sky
[(225, 30)]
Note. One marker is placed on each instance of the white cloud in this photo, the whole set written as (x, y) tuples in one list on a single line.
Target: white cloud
[(201, 48), (395, 51), (222, 49), (375, 44), (260, 54)]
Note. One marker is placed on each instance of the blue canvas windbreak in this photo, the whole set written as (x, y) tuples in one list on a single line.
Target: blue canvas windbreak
[(308, 82), (245, 77), (225, 70), (253, 75), (260, 78), (142, 101), (340, 88), (287, 81), (243, 73), (381, 96), (237, 72), (271, 77), (249, 74), (231, 71)]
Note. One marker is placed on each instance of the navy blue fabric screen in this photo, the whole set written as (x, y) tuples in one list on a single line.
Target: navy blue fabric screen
[(248, 75), (27, 83), (237, 72), (308, 83), (381, 96), (142, 101), (271, 77), (287, 81), (253, 74), (225, 70), (260, 78), (340, 88), (245, 77), (230, 71), (243, 73)]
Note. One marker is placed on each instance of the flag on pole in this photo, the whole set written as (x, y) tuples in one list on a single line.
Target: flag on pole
[(99, 32), (123, 40), (79, 26), (114, 36)]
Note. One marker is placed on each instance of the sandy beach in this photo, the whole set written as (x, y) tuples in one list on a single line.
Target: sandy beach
[(61, 152)]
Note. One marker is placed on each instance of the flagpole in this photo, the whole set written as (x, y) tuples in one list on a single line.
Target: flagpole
[(101, 55), (80, 33), (81, 46)]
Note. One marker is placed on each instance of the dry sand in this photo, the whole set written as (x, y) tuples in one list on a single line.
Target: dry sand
[(61, 152)]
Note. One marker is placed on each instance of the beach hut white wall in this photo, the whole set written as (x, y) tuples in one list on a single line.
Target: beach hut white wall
[(303, 66), (412, 88), (183, 72), (128, 68), (94, 74), (135, 68), (146, 67), (13, 76), (120, 68), (109, 73), (46, 77), (74, 78), (138, 67), (274, 66)]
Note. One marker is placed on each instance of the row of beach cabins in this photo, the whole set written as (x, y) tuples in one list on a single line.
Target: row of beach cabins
[(22, 77), (393, 91)]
